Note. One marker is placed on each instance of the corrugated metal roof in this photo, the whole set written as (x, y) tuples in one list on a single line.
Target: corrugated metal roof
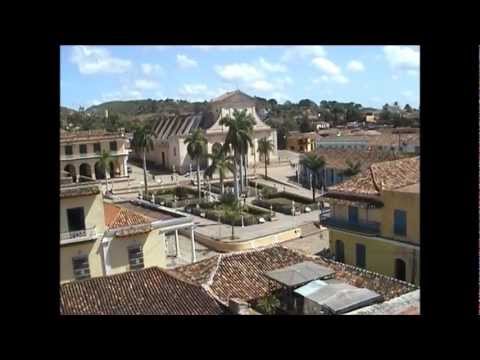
[(300, 273)]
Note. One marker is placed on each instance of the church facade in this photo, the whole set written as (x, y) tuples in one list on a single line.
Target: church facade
[(170, 152)]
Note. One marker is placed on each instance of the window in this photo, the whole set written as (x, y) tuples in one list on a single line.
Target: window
[(113, 146), (174, 151), (353, 214), (339, 251), (400, 269), (76, 219), (96, 148), (400, 222), (68, 150), (83, 148), (81, 270), (135, 258), (360, 252)]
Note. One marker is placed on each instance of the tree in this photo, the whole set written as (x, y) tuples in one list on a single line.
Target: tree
[(306, 103), (352, 168), (407, 108), (221, 163), (232, 212), (104, 161), (314, 163), (197, 149), (239, 136), (268, 304), (265, 146), (142, 142), (306, 125)]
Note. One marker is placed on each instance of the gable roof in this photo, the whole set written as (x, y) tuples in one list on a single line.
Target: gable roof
[(388, 175), (150, 291), (242, 274)]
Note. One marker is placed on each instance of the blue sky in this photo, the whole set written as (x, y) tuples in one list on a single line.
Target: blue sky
[(370, 75)]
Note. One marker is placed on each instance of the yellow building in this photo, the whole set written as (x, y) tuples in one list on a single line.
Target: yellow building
[(301, 142), (374, 219), (99, 238)]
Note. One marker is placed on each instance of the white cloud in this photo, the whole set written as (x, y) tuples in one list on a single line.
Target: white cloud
[(240, 71), (184, 62), (279, 96), (402, 57), (355, 66), (302, 52), (395, 77), (326, 66), (125, 93), (226, 47), (145, 84), (94, 60), (408, 94), (339, 79), (193, 89), (152, 69), (271, 67), (262, 85)]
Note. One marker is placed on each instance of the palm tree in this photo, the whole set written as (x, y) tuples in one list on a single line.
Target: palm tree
[(221, 164), (352, 168), (239, 136), (268, 304), (197, 149), (314, 163), (142, 142), (232, 212), (104, 161), (265, 146)]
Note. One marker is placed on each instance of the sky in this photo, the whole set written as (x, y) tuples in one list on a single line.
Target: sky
[(369, 75)]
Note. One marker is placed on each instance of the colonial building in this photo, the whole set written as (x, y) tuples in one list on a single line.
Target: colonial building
[(301, 142), (170, 152), (80, 153), (375, 219), (99, 238)]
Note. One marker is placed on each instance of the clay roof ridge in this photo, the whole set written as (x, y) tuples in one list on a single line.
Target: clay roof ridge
[(376, 185), (214, 271)]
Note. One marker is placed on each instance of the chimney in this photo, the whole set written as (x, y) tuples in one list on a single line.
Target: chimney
[(238, 307)]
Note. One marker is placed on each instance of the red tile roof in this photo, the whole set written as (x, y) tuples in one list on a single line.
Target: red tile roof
[(241, 274), (388, 175), (117, 217), (150, 291)]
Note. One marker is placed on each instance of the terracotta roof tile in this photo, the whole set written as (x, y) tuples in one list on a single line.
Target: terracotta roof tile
[(388, 175), (241, 274), (150, 291), (118, 217)]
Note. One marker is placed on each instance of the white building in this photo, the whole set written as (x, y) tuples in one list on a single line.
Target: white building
[(171, 131)]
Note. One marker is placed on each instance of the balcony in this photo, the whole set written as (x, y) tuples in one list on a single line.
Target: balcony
[(77, 236), (364, 227), (92, 155)]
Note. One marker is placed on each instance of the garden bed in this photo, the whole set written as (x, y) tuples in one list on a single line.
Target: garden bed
[(215, 211), (282, 202), (183, 196)]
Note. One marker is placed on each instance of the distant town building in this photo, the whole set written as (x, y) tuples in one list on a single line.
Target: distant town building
[(80, 153), (170, 131), (321, 125), (336, 162), (301, 142), (375, 219)]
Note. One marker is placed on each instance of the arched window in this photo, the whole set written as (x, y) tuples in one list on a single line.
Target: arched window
[(85, 172), (339, 251), (400, 269)]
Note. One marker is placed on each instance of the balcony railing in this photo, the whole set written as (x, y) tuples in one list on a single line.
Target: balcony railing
[(80, 235), (364, 227), (93, 155)]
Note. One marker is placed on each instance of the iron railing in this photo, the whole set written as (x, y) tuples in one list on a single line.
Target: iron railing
[(79, 234), (361, 226)]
